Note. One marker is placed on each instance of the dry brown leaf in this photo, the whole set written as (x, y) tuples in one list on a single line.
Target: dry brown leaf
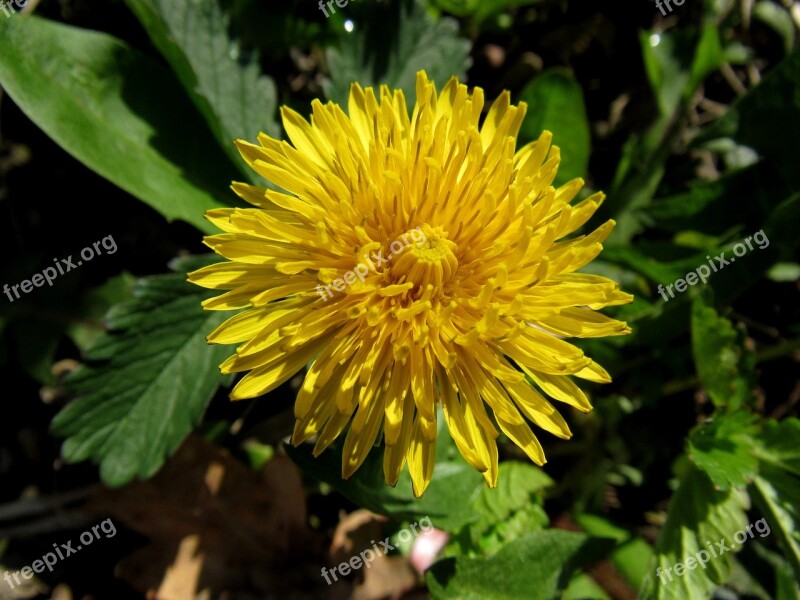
[(217, 527), (61, 592), (385, 577), (27, 588), (182, 577)]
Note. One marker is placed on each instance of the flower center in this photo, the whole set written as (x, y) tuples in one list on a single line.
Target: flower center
[(430, 259)]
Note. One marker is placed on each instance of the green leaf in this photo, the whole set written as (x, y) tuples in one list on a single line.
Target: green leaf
[(778, 19), (723, 448), (678, 61), (667, 60), (780, 445), (725, 368), (675, 63), (583, 587), (148, 380), (480, 10), (277, 31), (37, 324), (518, 484), (491, 8), (88, 330), (778, 233), (765, 119), (776, 491), (631, 556), (389, 45), (535, 567), (707, 203), (116, 111), (787, 587), (737, 53), (776, 241), (708, 57), (236, 100), (447, 501), (258, 454), (555, 103), (655, 270), (784, 272), (699, 517), (508, 512)]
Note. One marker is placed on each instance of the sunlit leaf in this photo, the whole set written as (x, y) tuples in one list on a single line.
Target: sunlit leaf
[(235, 98), (118, 112)]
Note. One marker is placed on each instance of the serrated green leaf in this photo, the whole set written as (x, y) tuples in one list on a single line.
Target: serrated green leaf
[(555, 103), (389, 45), (527, 519), (724, 366), (698, 518), (780, 444), (537, 566), (777, 495), (723, 448), (87, 331), (148, 380), (118, 112), (235, 98), (511, 510), (776, 491), (517, 485)]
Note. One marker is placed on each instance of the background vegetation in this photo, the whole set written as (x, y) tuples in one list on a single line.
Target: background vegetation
[(117, 119)]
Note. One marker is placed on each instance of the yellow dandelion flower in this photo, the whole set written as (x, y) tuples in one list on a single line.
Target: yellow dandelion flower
[(418, 262)]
